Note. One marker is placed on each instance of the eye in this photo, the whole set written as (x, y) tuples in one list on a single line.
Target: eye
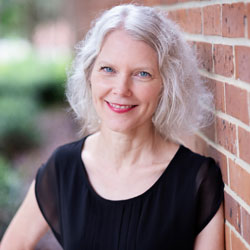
[(107, 69), (144, 74)]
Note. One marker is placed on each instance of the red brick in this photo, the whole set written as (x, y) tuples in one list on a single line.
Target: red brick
[(223, 60), (221, 160), (232, 211), (246, 225), (209, 131), (181, 18), (249, 105), (189, 19), (236, 103), (242, 60), (212, 20), (219, 96), (204, 52), (233, 20), (227, 237), (239, 181), (172, 15), (248, 19), (237, 243), (244, 144), (152, 2), (226, 135), (194, 24)]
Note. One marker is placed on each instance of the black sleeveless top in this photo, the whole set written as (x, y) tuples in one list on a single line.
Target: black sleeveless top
[(169, 215)]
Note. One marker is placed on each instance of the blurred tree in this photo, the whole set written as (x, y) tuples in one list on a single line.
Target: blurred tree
[(19, 17)]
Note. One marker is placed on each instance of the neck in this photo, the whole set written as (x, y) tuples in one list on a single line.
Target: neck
[(124, 150)]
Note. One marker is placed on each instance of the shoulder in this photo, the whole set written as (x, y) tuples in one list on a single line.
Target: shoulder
[(191, 158), (64, 158), (198, 166), (67, 151), (205, 171), (61, 157)]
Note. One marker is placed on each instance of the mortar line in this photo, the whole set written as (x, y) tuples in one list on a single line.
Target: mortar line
[(195, 4), (233, 41), (237, 198), (237, 235), (232, 120), (231, 81), (244, 165)]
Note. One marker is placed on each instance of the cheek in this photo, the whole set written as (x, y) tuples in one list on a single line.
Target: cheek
[(99, 83), (150, 94), (99, 94), (96, 94), (97, 86)]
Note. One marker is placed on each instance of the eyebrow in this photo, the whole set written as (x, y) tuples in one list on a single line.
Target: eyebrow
[(104, 62), (142, 67)]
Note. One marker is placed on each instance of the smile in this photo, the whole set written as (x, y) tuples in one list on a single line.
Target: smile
[(119, 108)]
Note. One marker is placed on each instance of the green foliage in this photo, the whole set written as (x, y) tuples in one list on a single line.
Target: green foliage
[(33, 76), (11, 193), (17, 124), (19, 17), (11, 17), (26, 87)]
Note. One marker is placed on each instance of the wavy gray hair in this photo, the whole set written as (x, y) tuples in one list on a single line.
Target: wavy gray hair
[(185, 103)]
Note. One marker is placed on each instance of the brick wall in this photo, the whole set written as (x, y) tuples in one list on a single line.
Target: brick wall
[(220, 32)]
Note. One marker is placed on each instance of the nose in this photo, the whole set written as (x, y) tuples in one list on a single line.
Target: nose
[(122, 85)]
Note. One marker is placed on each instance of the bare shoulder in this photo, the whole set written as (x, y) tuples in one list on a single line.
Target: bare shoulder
[(27, 226)]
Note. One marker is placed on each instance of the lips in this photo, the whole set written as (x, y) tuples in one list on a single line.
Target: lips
[(120, 108)]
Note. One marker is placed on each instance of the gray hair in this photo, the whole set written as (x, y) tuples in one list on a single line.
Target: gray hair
[(185, 103)]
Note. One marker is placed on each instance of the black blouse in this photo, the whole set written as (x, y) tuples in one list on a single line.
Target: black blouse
[(169, 215)]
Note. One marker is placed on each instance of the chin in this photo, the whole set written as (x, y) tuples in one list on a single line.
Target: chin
[(124, 127), (119, 129)]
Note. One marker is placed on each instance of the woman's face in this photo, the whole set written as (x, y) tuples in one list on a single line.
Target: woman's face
[(125, 83)]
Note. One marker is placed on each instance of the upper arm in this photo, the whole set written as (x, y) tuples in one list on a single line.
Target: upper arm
[(210, 216), (212, 236), (27, 226)]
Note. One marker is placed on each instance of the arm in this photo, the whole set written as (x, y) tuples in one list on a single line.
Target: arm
[(212, 236), (27, 226)]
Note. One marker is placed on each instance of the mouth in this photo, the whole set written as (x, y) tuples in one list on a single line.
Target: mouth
[(120, 108)]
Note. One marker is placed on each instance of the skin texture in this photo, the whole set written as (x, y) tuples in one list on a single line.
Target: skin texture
[(212, 236), (132, 155)]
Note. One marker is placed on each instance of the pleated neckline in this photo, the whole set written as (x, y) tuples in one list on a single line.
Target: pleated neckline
[(162, 177)]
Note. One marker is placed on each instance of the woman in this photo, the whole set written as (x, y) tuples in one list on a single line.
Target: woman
[(129, 184)]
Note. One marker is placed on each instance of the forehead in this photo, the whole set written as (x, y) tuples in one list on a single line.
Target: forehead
[(119, 45)]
